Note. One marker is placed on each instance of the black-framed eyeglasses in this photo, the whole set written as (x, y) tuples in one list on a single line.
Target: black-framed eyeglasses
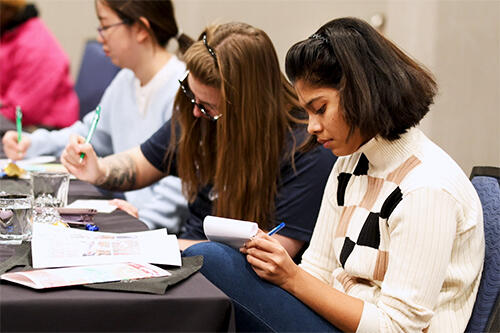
[(189, 94), (101, 30), (209, 49)]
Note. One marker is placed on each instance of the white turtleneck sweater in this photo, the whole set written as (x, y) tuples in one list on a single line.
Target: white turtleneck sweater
[(401, 228)]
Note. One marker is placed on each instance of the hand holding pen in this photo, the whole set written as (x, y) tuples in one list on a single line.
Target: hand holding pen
[(269, 258), (15, 144), (80, 158), (89, 169)]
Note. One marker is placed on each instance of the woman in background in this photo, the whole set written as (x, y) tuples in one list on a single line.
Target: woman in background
[(399, 244), (134, 34), (232, 140), (34, 70)]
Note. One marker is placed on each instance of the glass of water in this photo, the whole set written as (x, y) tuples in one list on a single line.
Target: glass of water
[(15, 218), (50, 189)]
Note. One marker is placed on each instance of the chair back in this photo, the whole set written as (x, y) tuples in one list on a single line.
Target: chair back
[(95, 74), (486, 312)]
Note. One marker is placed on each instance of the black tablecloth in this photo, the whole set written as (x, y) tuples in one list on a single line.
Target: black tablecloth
[(192, 305)]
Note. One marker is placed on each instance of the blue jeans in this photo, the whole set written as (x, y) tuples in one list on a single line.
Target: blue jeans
[(259, 306)]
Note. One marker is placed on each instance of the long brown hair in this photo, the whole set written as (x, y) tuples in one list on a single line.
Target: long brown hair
[(240, 154)]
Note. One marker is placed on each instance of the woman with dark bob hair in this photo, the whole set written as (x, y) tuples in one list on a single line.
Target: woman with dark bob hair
[(399, 243)]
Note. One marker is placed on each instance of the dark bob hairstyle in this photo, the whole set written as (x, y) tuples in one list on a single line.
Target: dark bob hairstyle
[(382, 90)]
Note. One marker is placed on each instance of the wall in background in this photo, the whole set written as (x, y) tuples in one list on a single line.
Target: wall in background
[(459, 41), (72, 22)]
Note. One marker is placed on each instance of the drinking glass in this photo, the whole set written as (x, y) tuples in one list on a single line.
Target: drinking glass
[(50, 189), (15, 218)]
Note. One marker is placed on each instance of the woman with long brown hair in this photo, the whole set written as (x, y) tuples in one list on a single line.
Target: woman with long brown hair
[(233, 140)]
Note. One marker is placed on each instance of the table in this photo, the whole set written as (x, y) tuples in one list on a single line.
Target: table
[(194, 304)]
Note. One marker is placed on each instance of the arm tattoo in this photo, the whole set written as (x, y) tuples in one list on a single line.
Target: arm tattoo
[(121, 175)]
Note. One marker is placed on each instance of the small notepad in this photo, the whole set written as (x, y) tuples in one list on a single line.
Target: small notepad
[(229, 231), (102, 206)]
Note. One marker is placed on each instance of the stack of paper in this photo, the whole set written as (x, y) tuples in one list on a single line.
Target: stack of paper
[(53, 246), (95, 256)]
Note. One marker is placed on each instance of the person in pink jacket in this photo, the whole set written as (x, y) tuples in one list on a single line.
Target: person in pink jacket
[(34, 70)]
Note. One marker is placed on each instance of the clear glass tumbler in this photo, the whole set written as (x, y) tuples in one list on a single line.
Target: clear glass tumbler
[(15, 218), (50, 189)]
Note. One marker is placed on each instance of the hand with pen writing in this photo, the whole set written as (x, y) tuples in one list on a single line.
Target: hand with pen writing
[(269, 259), (88, 169), (14, 149)]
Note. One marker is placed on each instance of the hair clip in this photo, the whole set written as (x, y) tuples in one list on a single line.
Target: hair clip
[(320, 37), (209, 49)]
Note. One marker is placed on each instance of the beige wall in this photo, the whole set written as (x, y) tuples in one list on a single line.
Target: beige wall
[(458, 40), (72, 22)]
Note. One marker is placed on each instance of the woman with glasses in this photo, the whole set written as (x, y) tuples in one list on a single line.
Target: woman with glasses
[(399, 241), (138, 101), (234, 140)]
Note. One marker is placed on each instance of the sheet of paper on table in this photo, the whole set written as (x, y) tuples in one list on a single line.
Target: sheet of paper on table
[(29, 161), (45, 167), (36, 160), (71, 276), (37, 164), (53, 246), (229, 231), (101, 205)]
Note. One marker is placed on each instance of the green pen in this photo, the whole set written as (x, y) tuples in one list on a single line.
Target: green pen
[(95, 119), (19, 125)]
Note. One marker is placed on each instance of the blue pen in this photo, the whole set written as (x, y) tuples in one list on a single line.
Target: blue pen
[(276, 229)]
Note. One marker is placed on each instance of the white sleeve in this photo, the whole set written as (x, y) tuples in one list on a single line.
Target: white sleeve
[(422, 232), (319, 258)]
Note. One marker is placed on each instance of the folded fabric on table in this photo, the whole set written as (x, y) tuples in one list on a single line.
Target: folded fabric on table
[(21, 257), (190, 265)]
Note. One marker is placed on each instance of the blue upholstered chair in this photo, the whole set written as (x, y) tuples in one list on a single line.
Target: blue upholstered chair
[(95, 74), (486, 313)]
